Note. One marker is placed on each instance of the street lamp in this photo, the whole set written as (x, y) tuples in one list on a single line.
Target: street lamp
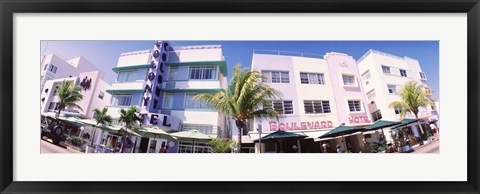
[(81, 130)]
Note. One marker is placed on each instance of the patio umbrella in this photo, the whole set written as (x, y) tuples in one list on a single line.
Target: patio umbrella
[(192, 135), (341, 130), (405, 122), (118, 130), (380, 124), (279, 136), (154, 132)]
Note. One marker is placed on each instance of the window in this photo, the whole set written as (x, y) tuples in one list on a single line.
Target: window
[(205, 129), (172, 74), (403, 73), (101, 95), (422, 75), (316, 106), (386, 70), (348, 80), (121, 100), (392, 89), (366, 75), (190, 103), (354, 105), (127, 76), (433, 106), (285, 107), (45, 67), (377, 115), (275, 77), (203, 73), (371, 94), (397, 110), (188, 147), (55, 91), (53, 68), (167, 101), (285, 78), (312, 78), (53, 106)]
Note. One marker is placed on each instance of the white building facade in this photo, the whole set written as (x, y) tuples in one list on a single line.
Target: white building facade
[(81, 72), (383, 75), (162, 82)]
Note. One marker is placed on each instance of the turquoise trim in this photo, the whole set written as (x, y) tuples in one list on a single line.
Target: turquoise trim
[(197, 110), (192, 90), (117, 69), (201, 80), (175, 80), (221, 64), (125, 91), (111, 106)]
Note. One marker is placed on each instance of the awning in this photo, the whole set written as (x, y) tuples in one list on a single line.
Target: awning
[(246, 139)]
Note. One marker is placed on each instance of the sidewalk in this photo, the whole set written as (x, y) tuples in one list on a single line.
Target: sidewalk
[(425, 143), (63, 145)]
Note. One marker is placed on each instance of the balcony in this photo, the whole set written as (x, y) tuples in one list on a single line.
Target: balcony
[(127, 87), (191, 84)]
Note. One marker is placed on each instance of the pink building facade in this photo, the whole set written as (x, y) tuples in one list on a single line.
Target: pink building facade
[(319, 93)]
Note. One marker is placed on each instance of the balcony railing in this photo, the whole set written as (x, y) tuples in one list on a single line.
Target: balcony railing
[(287, 53)]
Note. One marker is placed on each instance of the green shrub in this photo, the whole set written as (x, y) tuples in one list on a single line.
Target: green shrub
[(76, 141), (221, 145)]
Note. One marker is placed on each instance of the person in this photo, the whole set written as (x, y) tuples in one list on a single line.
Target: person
[(435, 130), (349, 147), (366, 148), (128, 144), (166, 149), (340, 149), (163, 149), (324, 148), (294, 148)]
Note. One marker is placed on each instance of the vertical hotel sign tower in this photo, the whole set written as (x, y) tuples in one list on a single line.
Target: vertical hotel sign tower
[(151, 95)]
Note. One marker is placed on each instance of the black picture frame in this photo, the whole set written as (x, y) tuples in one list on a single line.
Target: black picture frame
[(9, 7)]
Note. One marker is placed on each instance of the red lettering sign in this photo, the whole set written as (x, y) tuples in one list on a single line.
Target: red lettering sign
[(274, 125), (358, 119)]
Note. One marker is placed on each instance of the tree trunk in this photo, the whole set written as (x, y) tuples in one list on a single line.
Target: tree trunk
[(239, 139), (58, 113), (93, 135), (419, 125)]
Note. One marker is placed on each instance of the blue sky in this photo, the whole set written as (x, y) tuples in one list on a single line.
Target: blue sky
[(105, 53)]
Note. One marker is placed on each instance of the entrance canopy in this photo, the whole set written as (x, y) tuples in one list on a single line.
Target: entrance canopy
[(341, 130), (279, 135), (405, 122)]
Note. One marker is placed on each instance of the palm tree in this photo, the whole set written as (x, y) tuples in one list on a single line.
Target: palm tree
[(128, 117), (69, 94), (101, 117), (243, 100), (413, 96)]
